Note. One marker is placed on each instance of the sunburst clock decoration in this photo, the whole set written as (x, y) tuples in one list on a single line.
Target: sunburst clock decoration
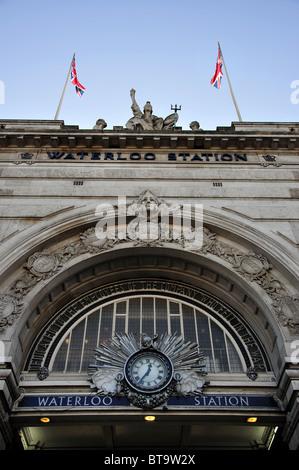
[(147, 371)]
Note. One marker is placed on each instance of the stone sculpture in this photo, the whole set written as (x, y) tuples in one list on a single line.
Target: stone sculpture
[(147, 120)]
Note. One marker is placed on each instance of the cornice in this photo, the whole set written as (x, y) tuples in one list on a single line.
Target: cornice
[(239, 136)]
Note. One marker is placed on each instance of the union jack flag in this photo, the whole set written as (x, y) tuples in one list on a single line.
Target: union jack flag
[(74, 79), (216, 80)]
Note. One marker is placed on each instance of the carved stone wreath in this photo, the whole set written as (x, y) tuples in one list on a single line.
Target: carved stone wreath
[(252, 266), (10, 309), (43, 265), (287, 310)]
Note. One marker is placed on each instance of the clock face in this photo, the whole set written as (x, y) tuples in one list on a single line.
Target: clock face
[(148, 371)]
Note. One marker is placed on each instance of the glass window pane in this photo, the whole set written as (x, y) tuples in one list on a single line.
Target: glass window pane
[(174, 308), (120, 324), (161, 316), (175, 319), (219, 349), (234, 359), (204, 340), (175, 324), (188, 321), (134, 316), (75, 351), (91, 338), (121, 308), (148, 315), (106, 323), (59, 363)]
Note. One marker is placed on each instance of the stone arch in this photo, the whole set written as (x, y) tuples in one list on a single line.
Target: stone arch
[(128, 263), (230, 263)]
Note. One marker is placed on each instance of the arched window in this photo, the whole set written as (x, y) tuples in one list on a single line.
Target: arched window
[(149, 314)]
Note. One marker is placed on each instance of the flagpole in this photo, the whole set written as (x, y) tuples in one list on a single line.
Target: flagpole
[(62, 96), (230, 87)]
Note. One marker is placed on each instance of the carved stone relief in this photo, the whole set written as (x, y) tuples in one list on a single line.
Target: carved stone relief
[(10, 309), (251, 266), (43, 265), (287, 310)]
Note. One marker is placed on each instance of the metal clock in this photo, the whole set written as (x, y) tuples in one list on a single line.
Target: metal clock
[(148, 371)]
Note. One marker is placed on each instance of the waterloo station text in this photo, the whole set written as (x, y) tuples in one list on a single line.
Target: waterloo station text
[(149, 156)]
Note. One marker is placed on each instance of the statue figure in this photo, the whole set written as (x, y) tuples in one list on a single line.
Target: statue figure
[(146, 120), (100, 124), (148, 341), (194, 125)]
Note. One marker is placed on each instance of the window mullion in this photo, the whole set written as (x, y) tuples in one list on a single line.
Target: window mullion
[(68, 350), (212, 344), (83, 344), (227, 353)]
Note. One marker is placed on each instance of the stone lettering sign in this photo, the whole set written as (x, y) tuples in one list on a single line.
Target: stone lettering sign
[(108, 156)]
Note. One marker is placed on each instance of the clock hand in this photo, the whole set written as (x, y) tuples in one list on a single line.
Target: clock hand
[(147, 372)]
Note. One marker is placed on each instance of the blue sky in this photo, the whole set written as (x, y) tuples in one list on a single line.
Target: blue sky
[(165, 49)]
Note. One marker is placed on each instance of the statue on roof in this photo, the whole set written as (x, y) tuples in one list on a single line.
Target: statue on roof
[(146, 120), (100, 124)]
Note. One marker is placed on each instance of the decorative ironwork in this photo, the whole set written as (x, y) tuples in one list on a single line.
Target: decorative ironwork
[(109, 375)]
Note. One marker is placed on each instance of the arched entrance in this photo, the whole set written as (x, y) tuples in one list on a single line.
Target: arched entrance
[(156, 289), (74, 292)]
